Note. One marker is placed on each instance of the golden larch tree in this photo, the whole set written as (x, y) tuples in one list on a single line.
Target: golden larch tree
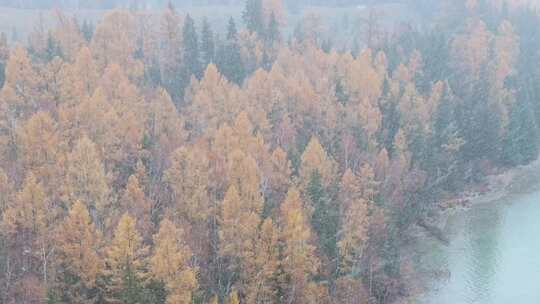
[(93, 117), (350, 187), (115, 41), (315, 160), (353, 235), (41, 149), (213, 300), (281, 171), (171, 263), (244, 175), (29, 212), (6, 191), (369, 185), (127, 120), (21, 87), (238, 226), (68, 35), (164, 127), (134, 202), (213, 101), (79, 78), (354, 221), (27, 223), (188, 179), (299, 261), (170, 40), (262, 270), (86, 180), (471, 50), (79, 243), (125, 262), (233, 298), (362, 85)]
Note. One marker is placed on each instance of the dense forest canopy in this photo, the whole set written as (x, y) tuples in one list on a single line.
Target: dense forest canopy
[(163, 160)]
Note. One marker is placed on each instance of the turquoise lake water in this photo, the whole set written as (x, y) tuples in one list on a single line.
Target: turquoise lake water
[(494, 252)]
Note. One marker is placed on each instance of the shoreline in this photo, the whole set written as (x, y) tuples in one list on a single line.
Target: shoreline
[(513, 181), (495, 187)]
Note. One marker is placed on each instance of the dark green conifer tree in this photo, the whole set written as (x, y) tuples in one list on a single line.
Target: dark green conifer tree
[(520, 145), (191, 55), (325, 219), (87, 29), (207, 44), (253, 17), (229, 59), (273, 34)]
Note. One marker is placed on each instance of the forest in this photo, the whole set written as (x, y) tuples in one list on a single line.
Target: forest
[(95, 4), (155, 159)]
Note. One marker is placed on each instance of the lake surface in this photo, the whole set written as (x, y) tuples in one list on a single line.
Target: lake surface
[(494, 252)]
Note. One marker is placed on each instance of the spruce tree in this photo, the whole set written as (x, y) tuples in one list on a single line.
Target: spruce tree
[(53, 49), (272, 34), (87, 29), (191, 57), (4, 55), (207, 44), (481, 124), (325, 216), (232, 32), (520, 145), (229, 59), (253, 17)]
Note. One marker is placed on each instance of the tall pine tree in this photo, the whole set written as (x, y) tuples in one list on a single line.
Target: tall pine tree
[(229, 59), (520, 145), (272, 34), (253, 17), (207, 44), (191, 56)]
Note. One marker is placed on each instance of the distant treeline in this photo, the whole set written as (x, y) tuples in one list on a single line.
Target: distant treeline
[(107, 4)]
